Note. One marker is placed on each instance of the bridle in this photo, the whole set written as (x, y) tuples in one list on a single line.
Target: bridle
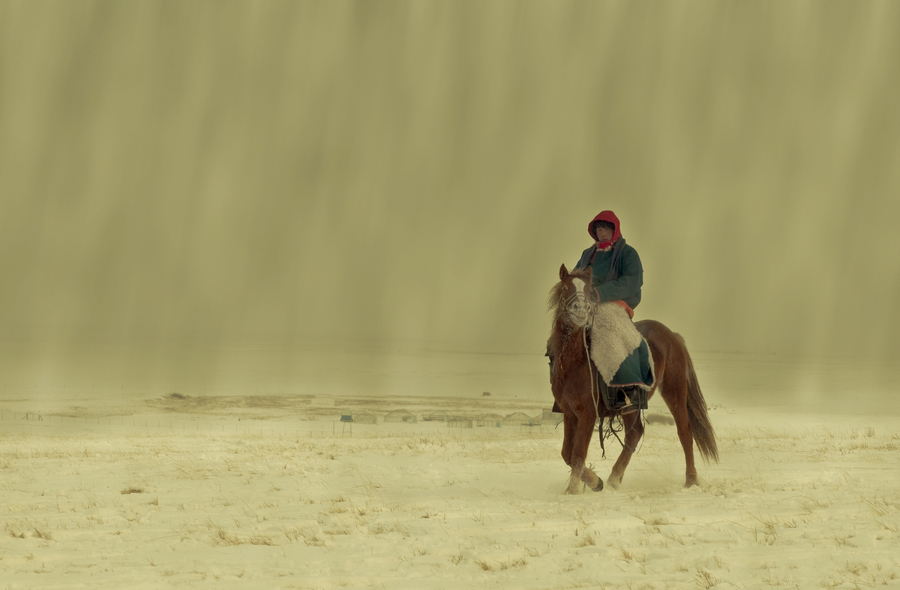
[(580, 310)]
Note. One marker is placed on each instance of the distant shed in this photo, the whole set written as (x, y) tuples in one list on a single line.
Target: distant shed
[(365, 418), (518, 419), (437, 416), (459, 422), (550, 417), (490, 420), (400, 416)]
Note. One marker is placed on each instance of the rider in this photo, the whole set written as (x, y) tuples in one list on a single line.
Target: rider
[(617, 276)]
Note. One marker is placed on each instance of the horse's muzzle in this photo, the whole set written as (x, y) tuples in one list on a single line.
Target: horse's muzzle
[(579, 309)]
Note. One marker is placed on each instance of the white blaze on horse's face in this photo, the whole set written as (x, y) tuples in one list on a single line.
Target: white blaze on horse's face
[(577, 304)]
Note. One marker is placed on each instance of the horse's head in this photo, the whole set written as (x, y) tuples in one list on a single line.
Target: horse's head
[(574, 297)]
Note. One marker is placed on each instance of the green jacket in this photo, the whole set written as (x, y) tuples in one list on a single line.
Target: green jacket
[(622, 282)]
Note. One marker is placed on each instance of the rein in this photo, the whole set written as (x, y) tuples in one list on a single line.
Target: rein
[(595, 388), (568, 303), (595, 384)]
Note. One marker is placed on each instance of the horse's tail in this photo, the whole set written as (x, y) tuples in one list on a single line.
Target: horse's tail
[(702, 428)]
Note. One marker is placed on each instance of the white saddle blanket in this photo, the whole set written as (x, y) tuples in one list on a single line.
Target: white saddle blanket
[(613, 338)]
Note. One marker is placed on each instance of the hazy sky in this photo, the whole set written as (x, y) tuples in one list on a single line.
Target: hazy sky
[(414, 173)]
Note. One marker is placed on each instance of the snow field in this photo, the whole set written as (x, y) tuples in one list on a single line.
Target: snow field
[(798, 501)]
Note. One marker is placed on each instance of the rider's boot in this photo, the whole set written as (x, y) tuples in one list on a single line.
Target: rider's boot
[(627, 400)]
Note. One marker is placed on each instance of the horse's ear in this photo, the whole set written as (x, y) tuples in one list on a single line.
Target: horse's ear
[(563, 272)]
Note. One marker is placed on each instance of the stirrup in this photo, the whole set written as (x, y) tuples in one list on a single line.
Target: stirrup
[(622, 404), (628, 406)]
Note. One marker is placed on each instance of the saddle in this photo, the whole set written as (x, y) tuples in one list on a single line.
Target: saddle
[(613, 338)]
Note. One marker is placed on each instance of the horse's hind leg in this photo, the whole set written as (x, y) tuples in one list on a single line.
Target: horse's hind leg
[(634, 430), (678, 406), (686, 436)]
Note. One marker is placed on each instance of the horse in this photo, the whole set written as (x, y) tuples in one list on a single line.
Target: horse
[(575, 386)]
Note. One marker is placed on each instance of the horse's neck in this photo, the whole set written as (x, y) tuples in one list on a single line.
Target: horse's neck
[(571, 342)]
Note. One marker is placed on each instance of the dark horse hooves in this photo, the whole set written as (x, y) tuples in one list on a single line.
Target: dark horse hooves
[(599, 485)]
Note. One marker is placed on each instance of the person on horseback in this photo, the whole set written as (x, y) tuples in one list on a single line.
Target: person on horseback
[(617, 276)]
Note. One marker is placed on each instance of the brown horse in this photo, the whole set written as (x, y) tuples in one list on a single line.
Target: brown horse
[(575, 386)]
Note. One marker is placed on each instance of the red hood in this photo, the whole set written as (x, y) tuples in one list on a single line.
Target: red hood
[(610, 217)]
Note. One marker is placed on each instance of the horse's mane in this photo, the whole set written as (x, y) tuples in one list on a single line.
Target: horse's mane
[(556, 304)]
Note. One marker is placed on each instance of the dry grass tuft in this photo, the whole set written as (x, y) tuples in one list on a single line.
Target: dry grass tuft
[(586, 541), (704, 579), (501, 566), (41, 534), (225, 538)]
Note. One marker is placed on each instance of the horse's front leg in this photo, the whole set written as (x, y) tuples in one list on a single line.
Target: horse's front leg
[(570, 421), (582, 440)]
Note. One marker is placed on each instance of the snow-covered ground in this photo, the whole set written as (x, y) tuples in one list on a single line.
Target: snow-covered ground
[(274, 491)]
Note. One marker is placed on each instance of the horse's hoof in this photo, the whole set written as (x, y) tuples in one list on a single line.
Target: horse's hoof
[(599, 485), (614, 483)]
